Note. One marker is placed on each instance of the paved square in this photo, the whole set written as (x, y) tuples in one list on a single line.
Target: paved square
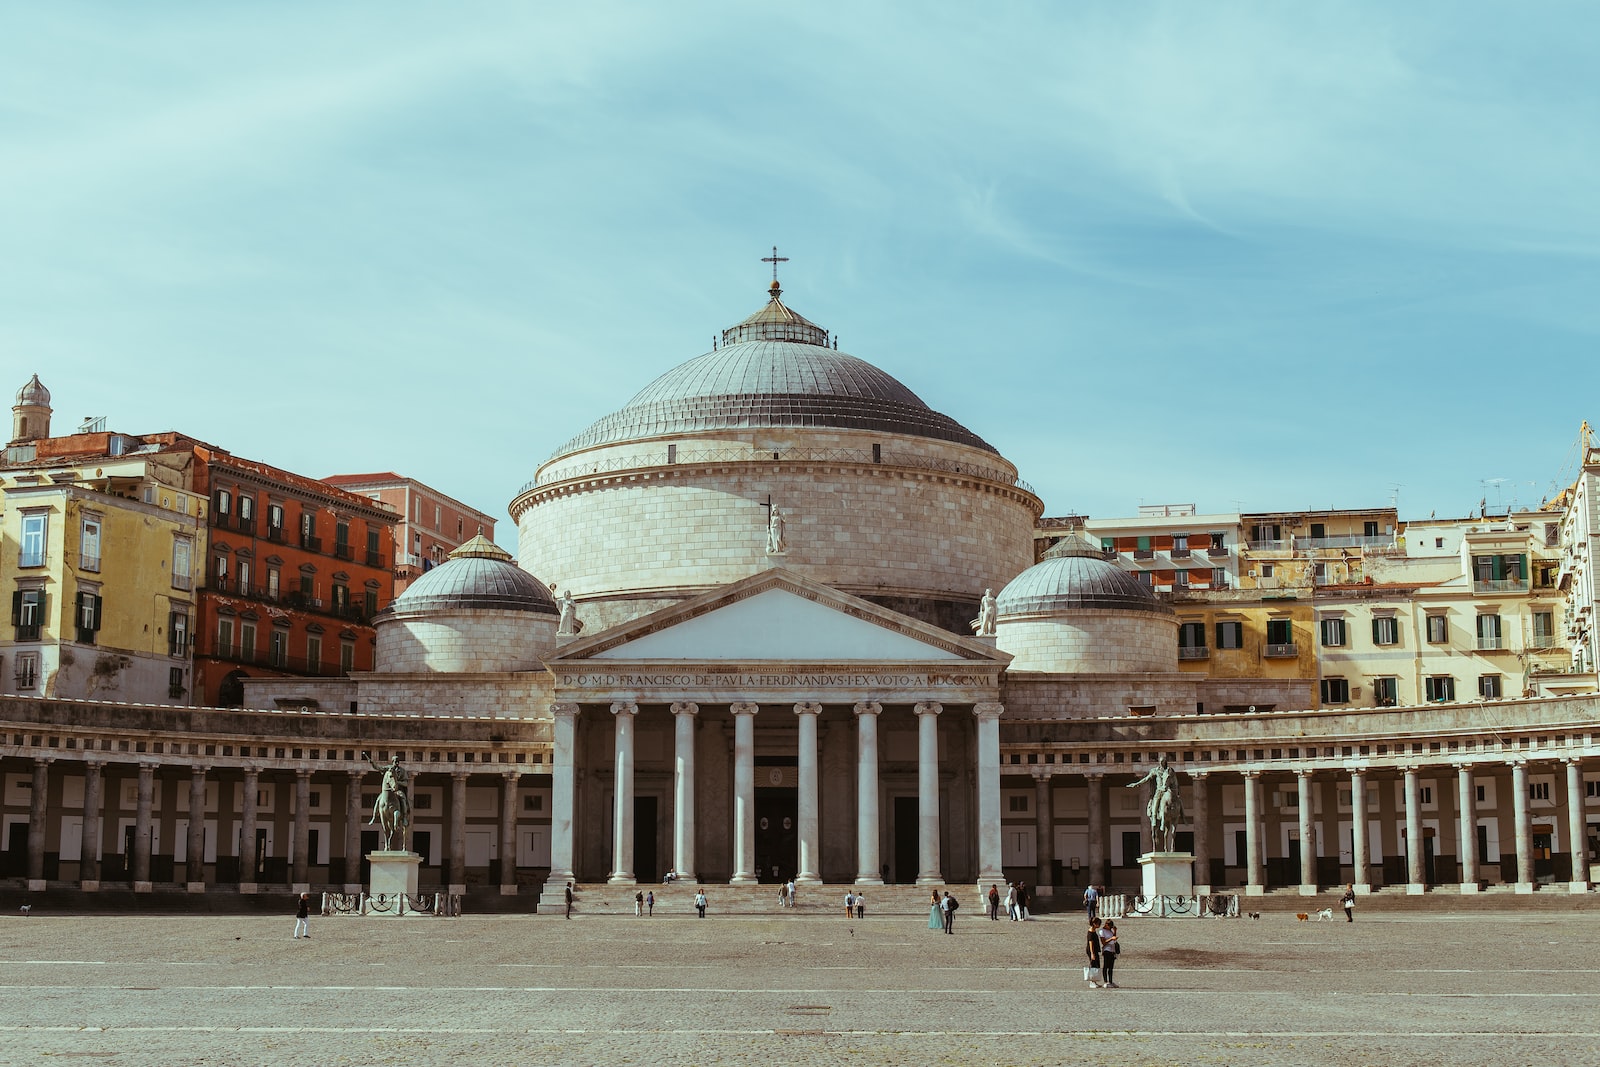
[(1424, 988)]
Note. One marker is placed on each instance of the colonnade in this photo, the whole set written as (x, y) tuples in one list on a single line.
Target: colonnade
[(743, 831)]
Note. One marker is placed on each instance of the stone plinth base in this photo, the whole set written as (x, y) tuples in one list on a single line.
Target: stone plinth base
[(508, 890), (93, 886), (1469, 887), (394, 873), (36, 885), (1167, 874), (352, 889), (144, 887), (1415, 889), (1363, 889), (456, 889), (194, 887), (1307, 890), (1577, 887), (1255, 890), (1524, 887), (246, 888)]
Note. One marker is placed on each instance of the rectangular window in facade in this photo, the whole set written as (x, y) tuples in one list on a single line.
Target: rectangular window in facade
[(313, 653), (27, 613), (88, 616), (27, 670), (178, 633), (89, 546), (247, 642), (1230, 635), (278, 647), (1438, 630), (1332, 633), (1489, 632), (175, 683), (225, 646), (1335, 691), (1489, 686), (1385, 692), (35, 540), (224, 504), (182, 563), (1439, 687), (347, 657), (1385, 630), (1544, 628), (1280, 631)]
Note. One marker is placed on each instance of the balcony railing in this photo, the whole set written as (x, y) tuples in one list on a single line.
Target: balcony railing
[(1194, 653), (89, 563), (1491, 644), (1350, 541), (275, 534), (1180, 553), (1269, 546), (1144, 553), (288, 664), (1500, 585), (1217, 550), (1289, 651), (374, 559), (310, 543), (344, 552), (182, 581)]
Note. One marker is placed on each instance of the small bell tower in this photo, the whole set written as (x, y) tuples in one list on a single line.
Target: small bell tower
[(30, 416)]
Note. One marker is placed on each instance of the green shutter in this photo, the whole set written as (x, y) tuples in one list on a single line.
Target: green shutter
[(98, 603), (16, 608), (1144, 544)]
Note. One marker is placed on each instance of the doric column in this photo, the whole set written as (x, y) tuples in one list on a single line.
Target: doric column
[(1416, 876), (1254, 882), (868, 871), (1360, 855), (989, 853), (928, 868), (1524, 826), (1308, 841), (744, 794), (456, 876), (508, 833), (141, 828), (352, 831), (300, 861), (247, 831), (810, 831), (563, 752), (1202, 832), (684, 714), (1577, 831), (1467, 824), (1095, 782), (1044, 832), (196, 874), (38, 811), (622, 841), (89, 852)]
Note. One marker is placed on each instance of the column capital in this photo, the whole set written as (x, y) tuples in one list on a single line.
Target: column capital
[(928, 707), (511, 777), (743, 709), (460, 774), (565, 711), (868, 707), (46, 760), (808, 709), (1305, 772), (94, 763), (1517, 761), (303, 773), (1092, 772), (988, 710), (1198, 776), (355, 775), (1250, 774), (624, 707), (1042, 774), (1578, 760), (685, 707), (252, 772)]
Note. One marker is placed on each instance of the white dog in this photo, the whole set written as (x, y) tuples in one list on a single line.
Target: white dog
[(1325, 913)]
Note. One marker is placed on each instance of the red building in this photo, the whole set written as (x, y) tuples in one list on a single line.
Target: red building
[(431, 526)]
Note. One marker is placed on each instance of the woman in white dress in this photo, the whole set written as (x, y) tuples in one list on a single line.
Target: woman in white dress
[(935, 916)]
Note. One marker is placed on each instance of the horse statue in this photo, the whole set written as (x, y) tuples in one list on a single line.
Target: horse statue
[(392, 812), (1165, 809)]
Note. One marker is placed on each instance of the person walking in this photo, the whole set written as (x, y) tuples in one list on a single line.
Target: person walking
[(638, 903), (1348, 903), (1011, 901), (849, 905), (1022, 902), (1110, 949), (302, 917), (935, 912), (994, 903), (1091, 950), (650, 902), (861, 905), (569, 900), (700, 902), (949, 905), (1091, 901), (791, 892)]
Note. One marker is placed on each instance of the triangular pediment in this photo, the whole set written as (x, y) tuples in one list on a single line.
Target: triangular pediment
[(776, 616)]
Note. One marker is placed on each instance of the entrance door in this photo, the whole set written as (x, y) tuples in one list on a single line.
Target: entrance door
[(905, 840), (1544, 866), (645, 832), (16, 857), (777, 834), (369, 845)]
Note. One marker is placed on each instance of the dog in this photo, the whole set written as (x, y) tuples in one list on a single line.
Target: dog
[(1325, 913), (26, 908), (1255, 914), (1302, 916)]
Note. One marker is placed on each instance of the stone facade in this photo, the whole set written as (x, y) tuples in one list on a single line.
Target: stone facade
[(1093, 641)]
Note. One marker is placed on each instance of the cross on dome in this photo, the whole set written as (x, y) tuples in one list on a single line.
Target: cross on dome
[(775, 259)]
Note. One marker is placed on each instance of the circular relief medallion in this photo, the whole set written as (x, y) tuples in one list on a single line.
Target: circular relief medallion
[(775, 776)]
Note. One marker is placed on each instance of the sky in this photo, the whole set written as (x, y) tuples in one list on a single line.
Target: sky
[(1246, 256)]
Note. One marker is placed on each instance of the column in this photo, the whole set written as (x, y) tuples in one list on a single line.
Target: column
[(868, 871), (989, 867), (38, 810), (1416, 878), (1467, 822), (196, 874), (744, 794), (1360, 855), (1577, 831), (247, 831), (300, 861), (456, 876), (928, 868), (89, 853), (1202, 832), (1044, 832), (1096, 783), (684, 714), (141, 828), (622, 837), (1254, 882), (1308, 841), (563, 738), (508, 833), (352, 831), (810, 830), (1524, 826)]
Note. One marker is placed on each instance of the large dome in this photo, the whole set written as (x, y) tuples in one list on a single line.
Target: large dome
[(774, 369), (479, 574), (1073, 575)]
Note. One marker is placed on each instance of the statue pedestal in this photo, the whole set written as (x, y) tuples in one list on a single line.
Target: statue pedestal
[(393, 873), (1167, 874)]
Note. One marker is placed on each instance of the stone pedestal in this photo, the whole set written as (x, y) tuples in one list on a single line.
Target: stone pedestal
[(1167, 874), (393, 873), (194, 887), (144, 887)]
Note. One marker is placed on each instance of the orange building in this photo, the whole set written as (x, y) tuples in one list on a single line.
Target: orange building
[(432, 525)]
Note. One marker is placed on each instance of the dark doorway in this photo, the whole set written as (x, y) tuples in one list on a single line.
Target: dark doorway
[(16, 855), (905, 840), (1130, 848), (1544, 865), (777, 834), (422, 845), (1183, 841), (259, 863), (369, 845), (645, 832)]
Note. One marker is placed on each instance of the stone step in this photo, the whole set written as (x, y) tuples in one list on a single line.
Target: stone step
[(599, 898)]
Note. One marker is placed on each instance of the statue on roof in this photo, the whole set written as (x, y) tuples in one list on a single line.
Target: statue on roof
[(777, 543), (983, 625), (569, 624)]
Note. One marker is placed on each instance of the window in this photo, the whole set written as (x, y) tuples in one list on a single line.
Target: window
[(27, 613), (273, 578), (182, 568), (341, 539), (89, 546), (1180, 544), (347, 657), (224, 504), (225, 638), (1319, 530), (278, 649), (1280, 631), (1219, 543), (461, 530), (1385, 630), (1192, 635), (1385, 692), (1538, 790), (438, 518), (1489, 686), (178, 633), (1266, 570), (1017, 804), (1230, 635), (175, 686), (1266, 532), (374, 558), (1181, 579), (371, 599), (1438, 629), (34, 541), (1332, 633), (247, 507), (1439, 687), (314, 653), (1544, 627), (88, 616), (1489, 632), (247, 641), (241, 577), (27, 670), (1319, 573), (1335, 691), (1438, 542), (341, 598), (274, 518), (1369, 529)]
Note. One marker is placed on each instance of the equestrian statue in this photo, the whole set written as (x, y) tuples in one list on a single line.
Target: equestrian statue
[(1165, 809), (392, 812)]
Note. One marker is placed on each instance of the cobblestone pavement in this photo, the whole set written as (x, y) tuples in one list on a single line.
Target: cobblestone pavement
[(1429, 988)]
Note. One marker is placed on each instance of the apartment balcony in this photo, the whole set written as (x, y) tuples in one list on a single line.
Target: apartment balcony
[(1492, 644), (1500, 585), (344, 552), (298, 665), (182, 581), (1269, 546), (275, 534), (1350, 541), (374, 559), (1180, 553), (89, 563), (310, 543), (1289, 651), (1216, 551), (1193, 654), (1144, 553)]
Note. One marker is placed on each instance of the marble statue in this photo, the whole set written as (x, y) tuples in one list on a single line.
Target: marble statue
[(983, 625), (1165, 809), (569, 626), (392, 812), (776, 544)]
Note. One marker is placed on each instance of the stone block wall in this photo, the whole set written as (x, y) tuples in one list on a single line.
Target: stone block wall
[(1091, 641), (467, 642)]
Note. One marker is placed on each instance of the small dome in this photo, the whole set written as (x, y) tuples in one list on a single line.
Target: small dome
[(34, 393), (1075, 574), (479, 574)]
